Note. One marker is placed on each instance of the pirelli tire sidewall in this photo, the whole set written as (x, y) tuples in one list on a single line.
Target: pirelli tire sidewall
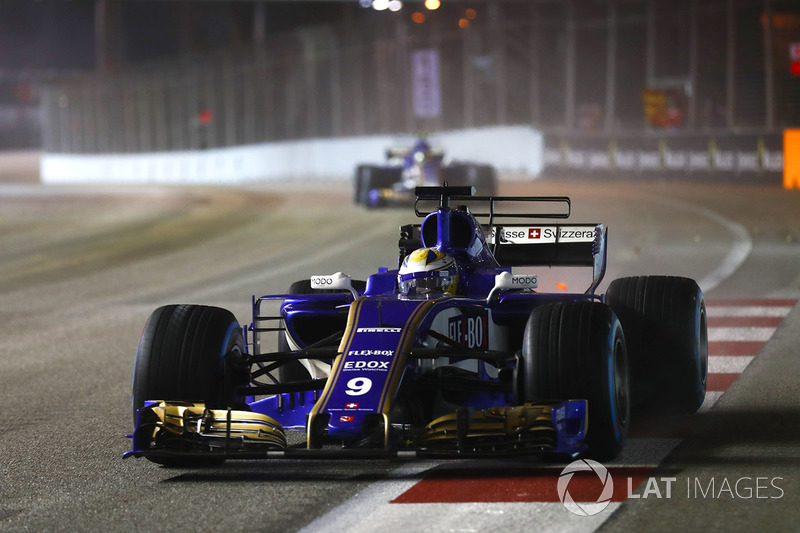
[(190, 353), (665, 323), (576, 350)]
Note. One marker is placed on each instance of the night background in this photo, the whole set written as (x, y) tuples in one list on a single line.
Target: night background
[(131, 76)]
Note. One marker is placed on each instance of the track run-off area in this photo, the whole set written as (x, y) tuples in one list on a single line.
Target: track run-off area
[(81, 269)]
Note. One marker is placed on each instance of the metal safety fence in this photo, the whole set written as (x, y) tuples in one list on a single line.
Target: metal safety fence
[(676, 67)]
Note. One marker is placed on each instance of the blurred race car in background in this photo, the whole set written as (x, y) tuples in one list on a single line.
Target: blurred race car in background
[(453, 353), (418, 166)]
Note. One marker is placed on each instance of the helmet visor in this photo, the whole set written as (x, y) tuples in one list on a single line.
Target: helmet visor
[(425, 282)]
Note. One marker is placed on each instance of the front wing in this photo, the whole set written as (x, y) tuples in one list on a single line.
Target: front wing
[(189, 429)]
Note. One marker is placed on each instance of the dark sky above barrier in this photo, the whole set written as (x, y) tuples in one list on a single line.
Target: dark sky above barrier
[(60, 34)]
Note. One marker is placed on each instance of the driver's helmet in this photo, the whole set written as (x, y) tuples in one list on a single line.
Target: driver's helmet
[(428, 270)]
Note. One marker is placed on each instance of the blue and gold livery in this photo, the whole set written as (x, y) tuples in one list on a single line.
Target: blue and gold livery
[(452, 353)]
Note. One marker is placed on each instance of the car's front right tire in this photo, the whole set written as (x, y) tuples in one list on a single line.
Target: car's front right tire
[(190, 353)]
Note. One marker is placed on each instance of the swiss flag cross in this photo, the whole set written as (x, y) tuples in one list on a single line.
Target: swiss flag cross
[(345, 419), (534, 233), (351, 405)]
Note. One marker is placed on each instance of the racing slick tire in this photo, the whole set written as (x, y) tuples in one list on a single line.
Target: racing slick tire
[(576, 350), (369, 177), (362, 174), (190, 353), (665, 324), (294, 370), (484, 180)]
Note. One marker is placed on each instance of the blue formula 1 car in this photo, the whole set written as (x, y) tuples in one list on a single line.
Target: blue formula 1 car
[(456, 352), (408, 168)]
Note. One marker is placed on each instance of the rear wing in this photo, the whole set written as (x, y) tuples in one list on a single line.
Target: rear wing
[(519, 207), (519, 243), (554, 244), (399, 153), (532, 245)]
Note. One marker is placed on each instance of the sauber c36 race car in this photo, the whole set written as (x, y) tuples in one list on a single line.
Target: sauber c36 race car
[(409, 168), (454, 353)]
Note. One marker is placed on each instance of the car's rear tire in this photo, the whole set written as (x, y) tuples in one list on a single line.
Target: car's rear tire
[(482, 177), (369, 177), (665, 324), (359, 181), (190, 353), (576, 350), (484, 180)]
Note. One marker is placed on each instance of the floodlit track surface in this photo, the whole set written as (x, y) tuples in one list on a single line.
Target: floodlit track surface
[(82, 268)]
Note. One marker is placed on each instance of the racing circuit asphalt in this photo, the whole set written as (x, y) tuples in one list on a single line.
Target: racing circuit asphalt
[(81, 268)]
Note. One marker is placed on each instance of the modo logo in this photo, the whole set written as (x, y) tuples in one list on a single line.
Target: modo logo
[(585, 508)]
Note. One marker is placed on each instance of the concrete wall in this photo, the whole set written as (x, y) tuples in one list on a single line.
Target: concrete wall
[(514, 149)]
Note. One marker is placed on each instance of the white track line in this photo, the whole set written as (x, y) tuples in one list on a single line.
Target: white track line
[(728, 364), (742, 243), (715, 311), (740, 334)]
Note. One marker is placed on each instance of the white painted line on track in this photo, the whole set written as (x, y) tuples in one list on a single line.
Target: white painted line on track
[(548, 517), (715, 311), (740, 249), (740, 334), (348, 516), (742, 245), (710, 400), (728, 364), (542, 517)]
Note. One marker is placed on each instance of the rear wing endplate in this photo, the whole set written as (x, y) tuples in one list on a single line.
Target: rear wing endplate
[(551, 245)]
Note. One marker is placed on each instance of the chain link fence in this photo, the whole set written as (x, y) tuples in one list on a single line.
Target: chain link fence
[(570, 67)]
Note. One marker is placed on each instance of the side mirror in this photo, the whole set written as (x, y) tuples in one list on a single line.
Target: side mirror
[(507, 280)]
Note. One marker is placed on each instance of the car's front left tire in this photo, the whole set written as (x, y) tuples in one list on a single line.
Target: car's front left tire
[(665, 323), (576, 350)]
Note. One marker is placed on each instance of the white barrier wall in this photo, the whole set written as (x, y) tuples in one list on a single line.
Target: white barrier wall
[(517, 149)]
